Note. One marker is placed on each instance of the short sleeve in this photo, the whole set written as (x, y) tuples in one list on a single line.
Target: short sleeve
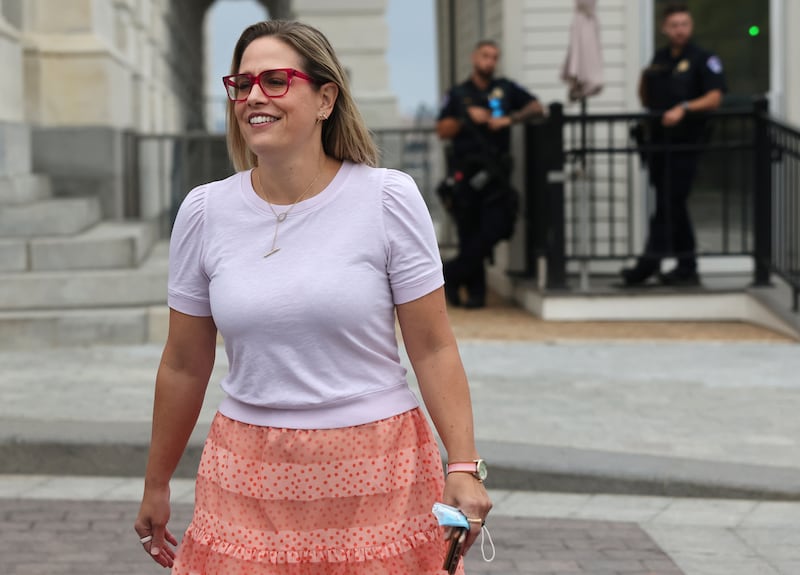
[(450, 107), (712, 74), (519, 96), (187, 287), (413, 264)]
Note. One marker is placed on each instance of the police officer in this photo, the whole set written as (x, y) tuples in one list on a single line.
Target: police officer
[(682, 83), (475, 117)]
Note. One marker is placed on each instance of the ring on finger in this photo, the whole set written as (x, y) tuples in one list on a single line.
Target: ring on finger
[(146, 539), (482, 522)]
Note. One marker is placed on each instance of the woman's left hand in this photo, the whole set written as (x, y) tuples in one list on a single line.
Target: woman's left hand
[(467, 493)]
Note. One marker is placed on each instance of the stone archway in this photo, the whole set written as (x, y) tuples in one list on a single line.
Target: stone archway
[(277, 9), (188, 17), (361, 41), (122, 67)]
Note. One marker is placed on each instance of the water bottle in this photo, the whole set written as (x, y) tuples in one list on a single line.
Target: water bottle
[(496, 105)]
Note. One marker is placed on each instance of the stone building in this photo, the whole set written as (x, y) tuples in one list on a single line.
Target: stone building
[(80, 78)]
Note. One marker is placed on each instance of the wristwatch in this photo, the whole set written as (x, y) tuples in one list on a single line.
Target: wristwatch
[(476, 467)]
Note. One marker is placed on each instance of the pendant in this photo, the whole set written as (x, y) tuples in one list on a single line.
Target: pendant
[(272, 251), (282, 216)]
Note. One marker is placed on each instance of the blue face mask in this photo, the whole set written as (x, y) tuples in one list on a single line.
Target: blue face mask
[(449, 516)]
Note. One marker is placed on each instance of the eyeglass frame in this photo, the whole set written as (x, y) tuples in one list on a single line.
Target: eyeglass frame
[(290, 74)]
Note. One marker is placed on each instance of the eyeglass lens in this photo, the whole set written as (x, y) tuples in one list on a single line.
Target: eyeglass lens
[(275, 83)]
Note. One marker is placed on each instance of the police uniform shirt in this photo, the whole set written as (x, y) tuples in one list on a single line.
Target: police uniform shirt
[(472, 139), (670, 80)]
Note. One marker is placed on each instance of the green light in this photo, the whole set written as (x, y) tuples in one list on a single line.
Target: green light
[(754, 31)]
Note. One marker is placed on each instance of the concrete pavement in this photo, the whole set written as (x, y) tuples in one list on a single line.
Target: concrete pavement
[(607, 457), (83, 526), (644, 417)]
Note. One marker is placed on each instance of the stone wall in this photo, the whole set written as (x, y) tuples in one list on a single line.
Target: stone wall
[(95, 72), (358, 31)]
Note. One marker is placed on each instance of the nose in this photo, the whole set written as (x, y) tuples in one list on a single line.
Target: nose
[(257, 94)]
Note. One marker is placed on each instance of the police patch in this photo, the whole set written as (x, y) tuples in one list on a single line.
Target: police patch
[(497, 92), (714, 64)]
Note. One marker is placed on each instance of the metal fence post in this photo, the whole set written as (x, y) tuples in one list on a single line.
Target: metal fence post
[(535, 201), (762, 195), (553, 152)]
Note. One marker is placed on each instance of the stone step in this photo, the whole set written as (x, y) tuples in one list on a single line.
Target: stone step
[(13, 255), (108, 245), (24, 188), (54, 216), (75, 327), (53, 290)]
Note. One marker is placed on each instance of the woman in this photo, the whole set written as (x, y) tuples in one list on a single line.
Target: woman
[(319, 459)]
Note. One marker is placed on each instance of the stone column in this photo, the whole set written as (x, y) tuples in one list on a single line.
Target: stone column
[(15, 141), (100, 69), (358, 32), (78, 96)]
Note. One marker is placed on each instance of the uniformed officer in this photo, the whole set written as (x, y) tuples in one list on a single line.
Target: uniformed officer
[(682, 83), (475, 117)]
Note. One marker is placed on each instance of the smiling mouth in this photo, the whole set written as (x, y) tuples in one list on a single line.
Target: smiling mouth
[(261, 120)]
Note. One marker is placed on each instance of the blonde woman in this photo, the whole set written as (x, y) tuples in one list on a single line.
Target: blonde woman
[(319, 459)]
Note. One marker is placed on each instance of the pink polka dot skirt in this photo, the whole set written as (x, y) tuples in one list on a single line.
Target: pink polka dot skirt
[(349, 501)]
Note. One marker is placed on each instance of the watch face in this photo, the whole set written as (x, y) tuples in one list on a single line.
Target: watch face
[(481, 470)]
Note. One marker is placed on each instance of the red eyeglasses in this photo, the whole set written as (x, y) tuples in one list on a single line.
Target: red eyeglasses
[(274, 83)]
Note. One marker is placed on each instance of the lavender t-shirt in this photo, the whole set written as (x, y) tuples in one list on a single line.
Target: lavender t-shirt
[(310, 330)]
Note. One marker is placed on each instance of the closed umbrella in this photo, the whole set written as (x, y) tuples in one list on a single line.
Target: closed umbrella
[(583, 73), (583, 66)]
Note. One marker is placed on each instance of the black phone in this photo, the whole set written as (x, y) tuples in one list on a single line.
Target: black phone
[(457, 539)]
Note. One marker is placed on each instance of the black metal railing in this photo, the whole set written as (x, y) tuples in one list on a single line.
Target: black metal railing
[(781, 226), (162, 168), (585, 178)]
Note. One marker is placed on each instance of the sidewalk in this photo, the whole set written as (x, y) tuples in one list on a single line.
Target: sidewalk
[(624, 455), (660, 418), (83, 526)]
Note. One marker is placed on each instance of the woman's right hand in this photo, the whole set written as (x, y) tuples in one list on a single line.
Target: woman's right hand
[(152, 522), (464, 492)]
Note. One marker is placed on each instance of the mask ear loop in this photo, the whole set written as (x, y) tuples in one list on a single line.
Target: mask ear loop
[(486, 535)]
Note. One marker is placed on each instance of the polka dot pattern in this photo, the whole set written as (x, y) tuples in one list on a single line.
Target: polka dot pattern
[(352, 501)]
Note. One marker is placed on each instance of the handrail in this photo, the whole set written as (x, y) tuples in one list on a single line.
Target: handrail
[(587, 201)]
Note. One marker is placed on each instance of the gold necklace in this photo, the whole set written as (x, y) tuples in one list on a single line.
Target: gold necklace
[(280, 217)]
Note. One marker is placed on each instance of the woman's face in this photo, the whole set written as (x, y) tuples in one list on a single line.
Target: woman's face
[(283, 124)]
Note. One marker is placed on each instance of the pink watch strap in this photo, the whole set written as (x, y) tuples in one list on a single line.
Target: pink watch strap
[(467, 467)]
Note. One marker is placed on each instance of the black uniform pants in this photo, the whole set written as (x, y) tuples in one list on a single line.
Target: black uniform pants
[(671, 232), (477, 223)]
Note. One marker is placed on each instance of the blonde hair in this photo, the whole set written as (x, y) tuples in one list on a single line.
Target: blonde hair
[(344, 133)]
